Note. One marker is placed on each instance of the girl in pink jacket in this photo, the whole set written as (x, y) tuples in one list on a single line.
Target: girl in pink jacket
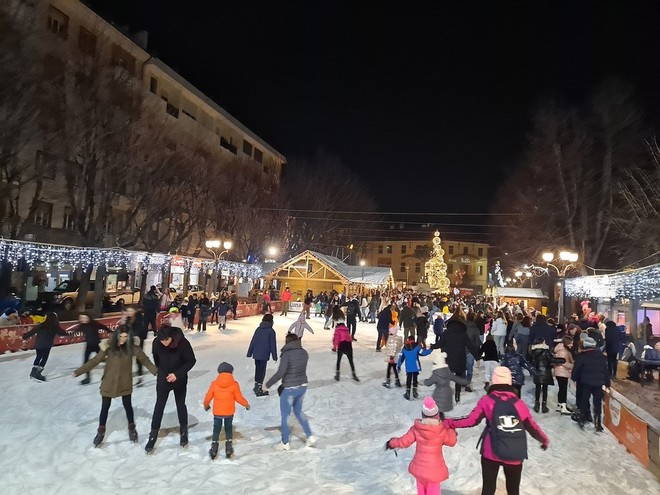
[(428, 464), (342, 343), (563, 372), (501, 390)]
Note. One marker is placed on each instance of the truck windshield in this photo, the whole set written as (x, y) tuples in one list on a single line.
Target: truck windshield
[(68, 286)]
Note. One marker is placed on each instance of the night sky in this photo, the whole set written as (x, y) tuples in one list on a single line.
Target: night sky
[(405, 93)]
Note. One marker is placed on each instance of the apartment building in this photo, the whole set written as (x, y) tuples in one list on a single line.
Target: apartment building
[(467, 262), (70, 29)]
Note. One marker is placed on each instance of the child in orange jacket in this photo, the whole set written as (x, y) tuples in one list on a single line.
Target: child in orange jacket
[(224, 392)]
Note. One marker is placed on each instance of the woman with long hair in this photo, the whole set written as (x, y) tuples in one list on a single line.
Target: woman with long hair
[(117, 352)]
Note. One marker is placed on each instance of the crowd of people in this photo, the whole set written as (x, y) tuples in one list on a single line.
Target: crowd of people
[(509, 339)]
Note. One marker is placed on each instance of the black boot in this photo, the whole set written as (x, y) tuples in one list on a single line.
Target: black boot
[(457, 396), (398, 383), (33, 373), (100, 433), (229, 449), (86, 380), (337, 376), (153, 436), (355, 377), (386, 383), (597, 423), (132, 433), (580, 420), (537, 406), (36, 373), (213, 451), (415, 394), (407, 394), (468, 388), (184, 436), (544, 407)]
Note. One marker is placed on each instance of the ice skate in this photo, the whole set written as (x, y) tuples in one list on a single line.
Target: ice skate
[(151, 443), (132, 433), (337, 376), (100, 433), (311, 441), (398, 383), (386, 384), (407, 394), (355, 377), (213, 451), (86, 380), (537, 406), (282, 446), (597, 424), (184, 436), (415, 394), (229, 449), (561, 408), (544, 408)]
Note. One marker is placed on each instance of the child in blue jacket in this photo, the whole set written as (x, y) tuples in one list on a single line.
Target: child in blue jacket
[(410, 354)]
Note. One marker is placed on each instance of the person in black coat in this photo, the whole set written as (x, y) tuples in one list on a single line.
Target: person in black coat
[(542, 360), (151, 305), (138, 326), (383, 326), (456, 343), (262, 346), (541, 330), (174, 357), (46, 332), (613, 340), (91, 328), (590, 372)]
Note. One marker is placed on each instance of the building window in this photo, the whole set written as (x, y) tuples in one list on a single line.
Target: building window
[(228, 145), (451, 249), (380, 249), (258, 155), (86, 42), (172, 110), (480, 270), (188, 114), (69, 220), (121, 58), (247, 148), (153, 85), (418, 267), (404, 249), (388, 249), (480, 252), (58, 22), (403, 268), (45, 165), (465, 250), (43, 214)]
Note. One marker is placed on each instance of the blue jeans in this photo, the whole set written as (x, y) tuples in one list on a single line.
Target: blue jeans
[(469, 358), (217, 426), (292, 398)]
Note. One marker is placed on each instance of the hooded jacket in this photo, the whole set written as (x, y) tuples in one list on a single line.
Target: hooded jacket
[(342, 334), (225, 392), (564, 369), (177, 358), (293, 366), (515, 362), (45, 335), (428, 463), (263, 344), (455, 342), (117, 378), (385, 319), (590, 368), (410, 355), (541, 330), (300, 325), (443, 393), (393, 347), (543, 361), (499, 327), (612, 338), (484, 409)]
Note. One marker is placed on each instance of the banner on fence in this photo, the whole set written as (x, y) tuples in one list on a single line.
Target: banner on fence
[(631, 431)]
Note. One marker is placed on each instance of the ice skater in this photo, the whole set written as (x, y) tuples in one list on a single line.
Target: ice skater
[(91, 328), (393, 348), (410, 355), (428, 464), (300, 325), (46, 332), (117, 353), (342, 343), (441, 378), (224, 392), (262, 346)]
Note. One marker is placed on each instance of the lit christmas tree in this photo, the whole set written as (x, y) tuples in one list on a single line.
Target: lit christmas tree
[(436, 268)]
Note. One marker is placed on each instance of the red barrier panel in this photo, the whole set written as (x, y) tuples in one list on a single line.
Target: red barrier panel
[(11, 338)]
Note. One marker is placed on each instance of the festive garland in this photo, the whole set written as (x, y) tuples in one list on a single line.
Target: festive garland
[(642, 284)]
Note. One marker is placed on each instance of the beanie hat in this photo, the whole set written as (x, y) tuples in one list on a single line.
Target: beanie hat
[(429, 408), (394, 330), (225, 367), (439, 361), (501, 376), (268, 317), (589, 342)]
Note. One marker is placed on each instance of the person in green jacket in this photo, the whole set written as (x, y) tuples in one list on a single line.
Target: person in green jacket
[(117, 352)]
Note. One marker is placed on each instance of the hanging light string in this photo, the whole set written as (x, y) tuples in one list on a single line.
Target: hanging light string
[(641, 284)]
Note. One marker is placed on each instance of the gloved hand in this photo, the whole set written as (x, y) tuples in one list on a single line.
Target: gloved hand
[(247, 408), (207, 408), (387, 445), (544, 446)]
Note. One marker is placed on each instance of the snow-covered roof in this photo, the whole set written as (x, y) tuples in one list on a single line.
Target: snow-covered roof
[(369, 275), (522, 293)]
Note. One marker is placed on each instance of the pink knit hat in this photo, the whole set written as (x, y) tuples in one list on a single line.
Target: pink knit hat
[(429, 408), (501, 376)]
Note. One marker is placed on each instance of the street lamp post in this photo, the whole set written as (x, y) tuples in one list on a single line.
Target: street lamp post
[(211, 247), (407, 275), (567, 262)]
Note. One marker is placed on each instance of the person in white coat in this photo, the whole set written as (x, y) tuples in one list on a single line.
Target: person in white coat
[(499, 332), (298, 327)]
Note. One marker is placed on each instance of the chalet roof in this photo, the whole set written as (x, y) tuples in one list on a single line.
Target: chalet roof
[(520, 292)]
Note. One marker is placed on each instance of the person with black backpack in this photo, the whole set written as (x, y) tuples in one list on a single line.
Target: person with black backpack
[(504, 440)]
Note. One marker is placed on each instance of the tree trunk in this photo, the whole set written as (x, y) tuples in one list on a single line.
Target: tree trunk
[(99, 292), (84, 288)]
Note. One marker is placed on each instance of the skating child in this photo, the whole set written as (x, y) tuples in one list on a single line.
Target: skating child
[(489, 356), (223, 309), (563, 371), (318, 310), (410, 355), (441, 377), (117, 353), (438, 327), (224, 392), (428, 464), (300, 325), (393, 348), (342, 343), (543, 361), (515, 363), (46, 333)]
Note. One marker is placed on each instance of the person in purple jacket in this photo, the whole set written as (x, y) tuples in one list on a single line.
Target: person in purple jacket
[(262, 346), (490, 463)]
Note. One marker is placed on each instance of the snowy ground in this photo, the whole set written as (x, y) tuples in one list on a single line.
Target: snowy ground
[(47, 430)]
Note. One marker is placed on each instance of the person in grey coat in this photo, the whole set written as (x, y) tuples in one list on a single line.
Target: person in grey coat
[(441, 377), (293, 373), (262, 346)]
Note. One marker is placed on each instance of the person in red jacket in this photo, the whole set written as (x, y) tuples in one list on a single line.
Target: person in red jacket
[(428, 464), (501, 389), (224, 392), (342, 342), (286, 299)]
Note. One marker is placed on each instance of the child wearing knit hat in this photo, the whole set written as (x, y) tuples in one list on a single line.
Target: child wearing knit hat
[(393, 348), (224, 392), (428, 464), (441, 377)]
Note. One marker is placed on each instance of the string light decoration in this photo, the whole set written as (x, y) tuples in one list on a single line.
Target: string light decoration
[(642, 284)]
